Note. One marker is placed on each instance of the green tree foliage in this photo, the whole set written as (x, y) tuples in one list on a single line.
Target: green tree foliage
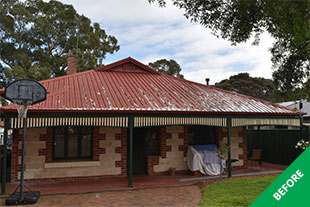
[(260, 88), (169, 67), (36, 35), (237, 21)]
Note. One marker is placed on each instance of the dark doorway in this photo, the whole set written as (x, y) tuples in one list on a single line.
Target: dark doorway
[(139, 151), (8, 164)]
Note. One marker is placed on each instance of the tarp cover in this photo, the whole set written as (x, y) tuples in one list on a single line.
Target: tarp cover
[(195, 161)]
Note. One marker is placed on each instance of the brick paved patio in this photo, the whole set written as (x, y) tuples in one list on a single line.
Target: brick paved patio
[(178, 196), (147, 190)]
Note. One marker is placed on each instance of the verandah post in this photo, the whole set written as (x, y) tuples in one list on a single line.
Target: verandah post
[(130, 151), (4, 158), (300, 128), (229, 145)]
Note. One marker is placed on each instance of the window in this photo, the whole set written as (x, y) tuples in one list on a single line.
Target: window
[(201, 135), (72, 143)]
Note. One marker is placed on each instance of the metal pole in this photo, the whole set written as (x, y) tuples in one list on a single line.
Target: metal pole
[(300, 128), (23, 158), (130, 151), (229, 145), (4, 158)]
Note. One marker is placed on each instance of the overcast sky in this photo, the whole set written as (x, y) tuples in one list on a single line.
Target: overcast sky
[(149, 33)]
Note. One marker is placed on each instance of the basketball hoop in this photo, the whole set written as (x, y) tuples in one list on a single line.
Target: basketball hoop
[(22, 110), (22, 93)]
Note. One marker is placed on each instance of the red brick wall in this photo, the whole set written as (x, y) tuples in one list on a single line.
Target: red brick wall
[(154, 160), (151, 161), (123, 151), (164, 148), (72, 179), (184, 136), (163, 138), (96, 138), (244, 156), (16, 152), (48, 152), (222, 132)]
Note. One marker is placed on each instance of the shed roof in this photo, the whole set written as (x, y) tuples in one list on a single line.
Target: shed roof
[(132, 87)]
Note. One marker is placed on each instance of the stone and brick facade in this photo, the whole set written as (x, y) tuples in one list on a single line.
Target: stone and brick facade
[(173, 149), (238, 145), (109, 154)]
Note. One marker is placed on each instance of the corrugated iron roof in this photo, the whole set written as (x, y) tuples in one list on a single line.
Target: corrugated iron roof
[(130, 86)]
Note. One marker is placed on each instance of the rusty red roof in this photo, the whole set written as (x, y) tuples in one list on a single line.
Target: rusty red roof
[(130, 86)]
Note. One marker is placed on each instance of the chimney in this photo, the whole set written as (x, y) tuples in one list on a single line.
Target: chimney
[(207, 81), (71, 64)]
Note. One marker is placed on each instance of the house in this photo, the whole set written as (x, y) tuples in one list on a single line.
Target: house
[(125, 118), (302, 105)]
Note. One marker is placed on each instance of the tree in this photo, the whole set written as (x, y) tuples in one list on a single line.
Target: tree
[(2, 85), (260, 88), (35, 37), (239, 20), (169, 67)]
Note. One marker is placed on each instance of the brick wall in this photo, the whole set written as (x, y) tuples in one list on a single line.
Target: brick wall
[(109, 156), (123, 151), (173, 149), (244, 145), (96, 139), (16, 153), (47, 137), (238, 145)]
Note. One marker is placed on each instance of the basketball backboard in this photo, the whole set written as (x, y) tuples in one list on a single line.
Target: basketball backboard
[(25, 92)]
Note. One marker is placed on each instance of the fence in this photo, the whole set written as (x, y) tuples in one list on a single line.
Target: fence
[(278, 146)]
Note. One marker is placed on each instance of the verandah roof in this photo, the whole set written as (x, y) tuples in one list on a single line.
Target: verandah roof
[(130, 87)]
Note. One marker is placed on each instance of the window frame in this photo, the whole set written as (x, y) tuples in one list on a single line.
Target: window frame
[(79, 147)]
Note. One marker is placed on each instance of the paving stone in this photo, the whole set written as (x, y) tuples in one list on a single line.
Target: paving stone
[(177, 196)]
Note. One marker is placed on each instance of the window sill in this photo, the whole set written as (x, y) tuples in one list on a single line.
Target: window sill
[(72, 164)]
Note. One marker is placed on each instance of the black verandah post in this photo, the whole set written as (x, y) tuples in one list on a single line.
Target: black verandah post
[(229, 146), (130, 151), (4, 158)]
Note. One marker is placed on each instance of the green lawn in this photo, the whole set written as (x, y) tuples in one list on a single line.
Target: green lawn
[(236, 192)]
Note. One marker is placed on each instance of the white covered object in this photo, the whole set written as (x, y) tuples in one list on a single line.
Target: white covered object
[(195, 162)]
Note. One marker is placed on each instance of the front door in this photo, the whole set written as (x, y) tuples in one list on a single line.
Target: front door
[(139, 151)]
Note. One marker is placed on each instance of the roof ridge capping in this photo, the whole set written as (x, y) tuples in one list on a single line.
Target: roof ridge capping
[(128, 60)]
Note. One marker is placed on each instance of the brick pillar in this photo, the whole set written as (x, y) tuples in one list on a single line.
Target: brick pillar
[(184, 136), (245, 147), (16, 152), (48, 151), (71, 64), (96, 139), (123, 151), (220, 133), (163, 138)]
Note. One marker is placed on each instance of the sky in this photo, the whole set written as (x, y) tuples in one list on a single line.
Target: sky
[(148, 33)]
